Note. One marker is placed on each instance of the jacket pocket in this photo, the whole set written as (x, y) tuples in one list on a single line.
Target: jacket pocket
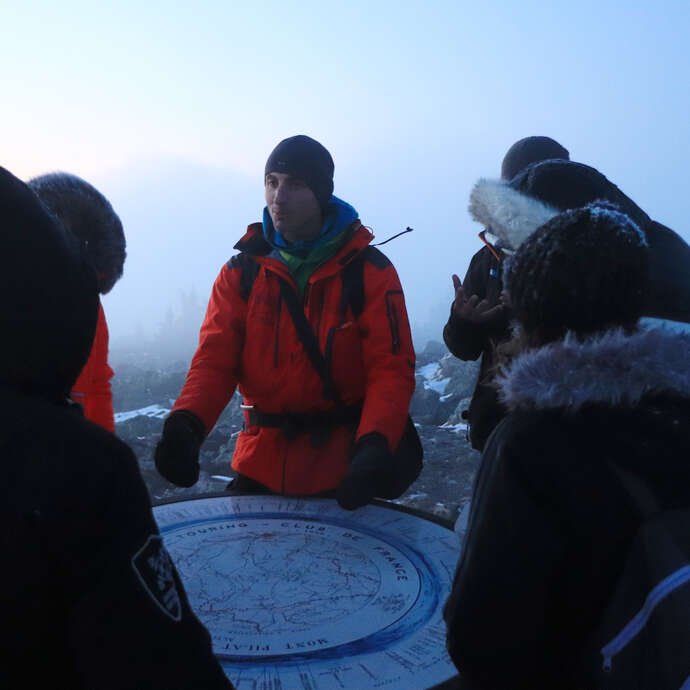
[(394, 301), (344, 357)]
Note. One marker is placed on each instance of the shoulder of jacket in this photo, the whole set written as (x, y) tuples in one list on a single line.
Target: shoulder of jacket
[(240, 261), (376, 257), (253, 241), (368, 255), (248, 271)]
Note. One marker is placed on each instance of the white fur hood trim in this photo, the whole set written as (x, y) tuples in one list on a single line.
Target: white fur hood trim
[(613, 368), (512, 216)]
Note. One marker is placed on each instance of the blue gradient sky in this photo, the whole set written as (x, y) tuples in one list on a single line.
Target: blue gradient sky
[(172, 111)]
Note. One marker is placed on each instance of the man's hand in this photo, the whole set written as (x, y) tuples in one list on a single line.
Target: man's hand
[(472, 308), (177, 453), (370, 463)]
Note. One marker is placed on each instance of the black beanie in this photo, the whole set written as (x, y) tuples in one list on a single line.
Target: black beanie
[(304, 157), (86, 213), (530, 150), (585, 270), (48, 296)]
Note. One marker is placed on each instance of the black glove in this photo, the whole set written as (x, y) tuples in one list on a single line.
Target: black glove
[(371, 463), (177, 453)]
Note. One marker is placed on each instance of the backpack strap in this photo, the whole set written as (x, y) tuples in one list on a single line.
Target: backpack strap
[(352, 295), (249, 270), (308, 340), (352, 276)]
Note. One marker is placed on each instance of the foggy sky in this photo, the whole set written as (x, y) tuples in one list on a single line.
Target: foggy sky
[(172, 116)]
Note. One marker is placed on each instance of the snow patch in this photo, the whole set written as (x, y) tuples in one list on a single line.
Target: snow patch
[(428, 371), (438, 386), (410, 497), (431, 373), (461, 524), (457, 428), (151, 411)]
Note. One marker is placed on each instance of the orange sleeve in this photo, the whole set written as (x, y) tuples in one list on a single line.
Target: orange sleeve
[(388, 354), (92, 389), (213, 373)]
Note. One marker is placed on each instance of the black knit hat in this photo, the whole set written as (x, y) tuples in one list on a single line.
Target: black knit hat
[(567, 184), (530, 150), (304, 157), (585, 270), (48, 296), (85, 212)]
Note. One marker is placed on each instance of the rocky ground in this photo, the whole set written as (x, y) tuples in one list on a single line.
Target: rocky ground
[(444, 385), (445, 485)]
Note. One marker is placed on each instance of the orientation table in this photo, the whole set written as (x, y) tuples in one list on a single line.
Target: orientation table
[(300, 594)]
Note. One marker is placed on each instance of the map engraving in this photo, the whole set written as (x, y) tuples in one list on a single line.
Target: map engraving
[(301, 594)]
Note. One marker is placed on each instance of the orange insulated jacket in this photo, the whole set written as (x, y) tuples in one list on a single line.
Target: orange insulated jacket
[(248, 339), (92, 389)]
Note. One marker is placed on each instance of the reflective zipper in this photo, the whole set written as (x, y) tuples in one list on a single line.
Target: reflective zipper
[(639, 620)]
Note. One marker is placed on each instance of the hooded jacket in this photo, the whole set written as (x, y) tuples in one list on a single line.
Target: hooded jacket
[(252, 341), (89, 596), (469, 341), (550, 522), (513, 210)]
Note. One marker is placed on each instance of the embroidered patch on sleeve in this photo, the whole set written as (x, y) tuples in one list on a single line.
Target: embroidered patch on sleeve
[(154, 568)]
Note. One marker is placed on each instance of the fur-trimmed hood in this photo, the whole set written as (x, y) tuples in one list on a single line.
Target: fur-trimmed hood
[(514, 210), (509, 214), (613, 369)]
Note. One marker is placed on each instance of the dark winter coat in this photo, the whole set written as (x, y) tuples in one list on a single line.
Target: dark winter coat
[(89, 597), (468, 341), (550, 522), (252, 341), (83, 603)]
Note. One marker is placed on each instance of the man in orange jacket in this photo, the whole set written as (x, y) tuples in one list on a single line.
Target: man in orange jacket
[(310, 322), (88, 215)]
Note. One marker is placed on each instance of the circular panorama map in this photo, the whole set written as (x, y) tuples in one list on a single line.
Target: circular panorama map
[(302, 595)]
